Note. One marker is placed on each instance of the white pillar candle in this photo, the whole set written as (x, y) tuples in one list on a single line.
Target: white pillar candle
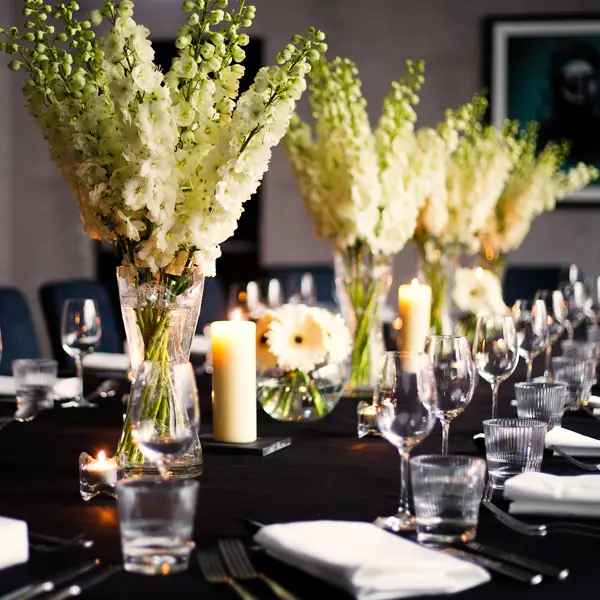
[(414, 306), (234, 381)]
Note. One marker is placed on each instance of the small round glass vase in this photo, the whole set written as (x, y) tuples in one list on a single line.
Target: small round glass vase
[(301, 396)]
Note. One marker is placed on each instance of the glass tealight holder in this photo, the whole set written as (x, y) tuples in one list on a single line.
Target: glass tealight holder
[(367, 423), (98, 475)]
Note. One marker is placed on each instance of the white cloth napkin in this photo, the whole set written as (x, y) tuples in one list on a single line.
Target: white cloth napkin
[(63, 389), (105, 361), (554, 495), (14, 542), (572, 443), (366, 561)]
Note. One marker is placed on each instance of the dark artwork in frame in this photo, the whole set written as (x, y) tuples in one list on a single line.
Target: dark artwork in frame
[(547, 69)]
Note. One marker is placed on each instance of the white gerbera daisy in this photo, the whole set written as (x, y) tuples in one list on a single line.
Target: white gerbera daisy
[(265, 359), (297, 339), (338, 341)]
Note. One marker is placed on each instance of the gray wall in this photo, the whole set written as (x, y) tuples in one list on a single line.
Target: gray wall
[(40, 232)]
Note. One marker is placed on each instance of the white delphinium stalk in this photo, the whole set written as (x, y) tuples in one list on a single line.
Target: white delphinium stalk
[(534, 186)]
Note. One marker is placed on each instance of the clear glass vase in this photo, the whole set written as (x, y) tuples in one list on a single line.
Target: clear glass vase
[(438, 272), (363, 282), (160, 313), (299, 396)]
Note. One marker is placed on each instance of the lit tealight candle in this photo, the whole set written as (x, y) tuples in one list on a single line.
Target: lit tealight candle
[(97, 475), (234, 381), (414, 306), (105, 468)]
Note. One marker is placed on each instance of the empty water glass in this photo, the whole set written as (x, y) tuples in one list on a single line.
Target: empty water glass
[(447, 493), (513, 446), (156, 520), (34, 383), (593, 336), (579, 374), (579, 349), (541, 400)]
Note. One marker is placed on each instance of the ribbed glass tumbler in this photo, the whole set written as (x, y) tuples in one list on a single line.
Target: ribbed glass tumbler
[(513, 446), (447, 493), (579, 375), (541, 400)]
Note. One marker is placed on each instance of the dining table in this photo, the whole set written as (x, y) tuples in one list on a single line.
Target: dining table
[(327, 473)]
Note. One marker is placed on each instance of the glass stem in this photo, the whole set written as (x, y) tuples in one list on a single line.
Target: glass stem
[(548, 361), (495, 387), (530, 369), (79, 374), (445, 436), (570, 331), (163, 468), (404, 457)]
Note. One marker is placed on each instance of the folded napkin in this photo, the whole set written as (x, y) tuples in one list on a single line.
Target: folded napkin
[(105, 361), (572, 443), (201, 345), (14, 542), (554, 495), (64, 389), (366, 561)]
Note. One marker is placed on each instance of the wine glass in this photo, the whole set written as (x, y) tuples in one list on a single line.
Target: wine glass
[(275, 296), (80, 332), (405, 402), (557, 316), (575, 298), (164, 411), (302, 289), (454, 374), (495, 351), (531, 320)]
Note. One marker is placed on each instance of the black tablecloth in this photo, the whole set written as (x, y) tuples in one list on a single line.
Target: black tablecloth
[(327, 473)]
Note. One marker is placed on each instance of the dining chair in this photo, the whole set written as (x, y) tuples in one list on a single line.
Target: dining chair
[(19, 339), (52, 298)]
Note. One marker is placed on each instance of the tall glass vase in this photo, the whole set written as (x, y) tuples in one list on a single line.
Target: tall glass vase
[(160, 313), (437, 271), (363, 281)]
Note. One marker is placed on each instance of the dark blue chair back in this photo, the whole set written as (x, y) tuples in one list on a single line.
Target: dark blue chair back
[(525, 281), (214, 306), (322, 275), (16, 325), (53, 296)]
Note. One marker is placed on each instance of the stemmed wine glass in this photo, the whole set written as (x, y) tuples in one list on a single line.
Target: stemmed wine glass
[(164, 412), (81, 332), (575, 298), (454, 374), (495, 351), (531, 320), (405, 403), (557, 316), (275, 296)]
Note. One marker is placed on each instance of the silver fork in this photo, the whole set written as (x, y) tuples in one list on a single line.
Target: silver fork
[(542, 529), (574, 461), (239, 565), (50, 543), (214, 572)]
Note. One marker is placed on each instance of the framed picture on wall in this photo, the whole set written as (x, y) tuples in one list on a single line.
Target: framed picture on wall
[(548, 70)]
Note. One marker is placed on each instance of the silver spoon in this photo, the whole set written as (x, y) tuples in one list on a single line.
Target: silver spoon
[(107, 389)]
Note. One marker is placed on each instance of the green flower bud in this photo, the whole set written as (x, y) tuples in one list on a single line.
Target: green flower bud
[(27, 12), (187, 137), (193, 19), (14, 49), (42, 16), (215, 17), (95, 17), (2, 46), (66, 69), (29, 25), (73, 5), (40, 48), (126, 5), (29, 37), (222, 3), (280, 58), (188, 6), (86, 25), (321, 47), (217, 39), (313, 54), (15, 65), (43, 58), (13, 31), (184, 31), (200, 4), (296, 39), (246, 23), (50, 29), (74, 44), (39, 35), (319, 36), (62, 37), (243, 39), (182, 42), (89, 35)]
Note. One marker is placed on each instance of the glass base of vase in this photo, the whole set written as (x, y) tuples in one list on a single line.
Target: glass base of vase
[(190, 471), (358, 391)]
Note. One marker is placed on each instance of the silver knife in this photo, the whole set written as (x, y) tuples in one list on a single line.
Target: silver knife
[(77, 589), (495, 565), (519, 561), (41, 587)]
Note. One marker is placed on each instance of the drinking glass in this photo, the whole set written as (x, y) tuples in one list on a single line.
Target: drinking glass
[(34, 383), (301, 289), (575, 298), (81, 332), (513, 446), (557, 316), (579, 374), (541, 400), (454, 372), (579, 349), (447, 493), (531, 320), (275, 296), (495, 351), (164, 423), (405, 402), (156, 521), (593, 336)]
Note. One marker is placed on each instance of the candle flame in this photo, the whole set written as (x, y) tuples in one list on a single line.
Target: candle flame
[(414, 282), (236, 315), (101, 455), (479, 272)]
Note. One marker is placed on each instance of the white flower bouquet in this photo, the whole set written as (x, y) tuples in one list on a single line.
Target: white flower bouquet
[(160, 163), (301, 352)]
